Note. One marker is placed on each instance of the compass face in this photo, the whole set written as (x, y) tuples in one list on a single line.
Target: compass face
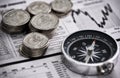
[(90, 46)]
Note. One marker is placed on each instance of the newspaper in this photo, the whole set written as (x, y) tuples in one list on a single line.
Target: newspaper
[(51, 67), (100, 15)]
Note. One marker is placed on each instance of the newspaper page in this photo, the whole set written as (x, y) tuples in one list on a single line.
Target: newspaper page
[(51, 67), (100, 15)]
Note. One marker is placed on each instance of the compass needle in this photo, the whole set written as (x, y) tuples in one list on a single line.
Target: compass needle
[(91, 47), (93, 43)]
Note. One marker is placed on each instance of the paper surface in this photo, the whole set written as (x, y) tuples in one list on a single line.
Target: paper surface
[(100, 15), (51, 67)]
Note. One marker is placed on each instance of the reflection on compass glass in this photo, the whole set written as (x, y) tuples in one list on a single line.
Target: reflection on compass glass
[(90, 46)]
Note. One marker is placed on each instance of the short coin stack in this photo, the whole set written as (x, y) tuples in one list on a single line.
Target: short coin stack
[(61, 7), (34, 45), (15, 21)]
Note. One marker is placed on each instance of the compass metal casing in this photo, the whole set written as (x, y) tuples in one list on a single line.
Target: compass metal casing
[(100, 68)]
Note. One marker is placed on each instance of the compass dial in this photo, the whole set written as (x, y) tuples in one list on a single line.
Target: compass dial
[(90, 46)]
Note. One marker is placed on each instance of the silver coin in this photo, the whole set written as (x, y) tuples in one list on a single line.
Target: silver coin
[(44, 22), (32, 29), (34, 44), (22, 53), (16, 17), (60, 15), (29, 54), (35, 40), (15, 20), (11, 30), (38, 7), (61, 6)]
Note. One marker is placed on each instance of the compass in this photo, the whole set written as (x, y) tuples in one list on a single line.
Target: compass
[(90, 52)]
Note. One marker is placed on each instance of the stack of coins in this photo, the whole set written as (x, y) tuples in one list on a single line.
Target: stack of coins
[(41, 25), (38, 7), (15, 21), (44, 23), (61, 7), (34, 45)]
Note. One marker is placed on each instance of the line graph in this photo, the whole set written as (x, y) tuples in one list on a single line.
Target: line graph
[(105, 12)]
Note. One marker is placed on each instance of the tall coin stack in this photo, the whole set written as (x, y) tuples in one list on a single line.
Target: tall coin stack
[(15, 21), (34, 45)]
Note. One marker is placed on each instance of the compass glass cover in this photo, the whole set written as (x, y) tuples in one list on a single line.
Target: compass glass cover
[(90, 46)]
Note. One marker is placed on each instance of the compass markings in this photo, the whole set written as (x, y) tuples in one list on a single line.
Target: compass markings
[(73, 56), (96, 50), (81, 58), (75, 48), (82, 51), (103, 59), (92, 59), (96, 56), (81, 55), (104, 51)]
